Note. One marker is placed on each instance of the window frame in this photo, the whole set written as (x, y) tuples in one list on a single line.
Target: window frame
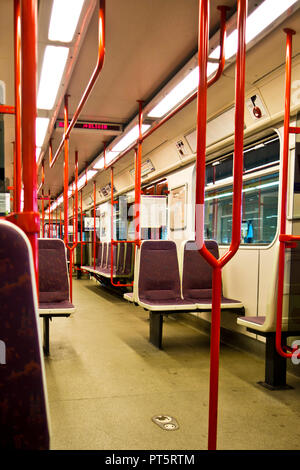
[(262, 170)]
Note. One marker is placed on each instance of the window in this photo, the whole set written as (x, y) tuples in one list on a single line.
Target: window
[(260, 154), (260, 196)]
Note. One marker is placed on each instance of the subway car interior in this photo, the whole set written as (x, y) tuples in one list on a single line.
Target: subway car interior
[(150, 225)]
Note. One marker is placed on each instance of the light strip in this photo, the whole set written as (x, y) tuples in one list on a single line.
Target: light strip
[(41, 126), (53, 67), (82, 180), (246, 190), (122, 145), (64, 19), (100, 164), (37, 152), (80, 184), (260, 19)]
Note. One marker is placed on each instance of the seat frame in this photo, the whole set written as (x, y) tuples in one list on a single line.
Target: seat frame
[(157, 311), (48, 314)]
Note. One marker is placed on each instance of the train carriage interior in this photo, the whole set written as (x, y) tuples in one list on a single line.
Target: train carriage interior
[(150, 224)]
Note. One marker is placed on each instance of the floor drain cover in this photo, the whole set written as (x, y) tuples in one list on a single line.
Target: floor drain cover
[(168, 423)]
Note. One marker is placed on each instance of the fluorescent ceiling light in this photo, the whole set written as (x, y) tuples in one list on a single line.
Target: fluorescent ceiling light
[(100, 164), (53, 67), (37, 152), (82, 180), (129, 138), (183, 89), (41, 126), (123, 144), (64, 19), (264, 15), (260, 19)]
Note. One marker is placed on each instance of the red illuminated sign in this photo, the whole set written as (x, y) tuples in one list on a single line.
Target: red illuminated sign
[(98, 126)]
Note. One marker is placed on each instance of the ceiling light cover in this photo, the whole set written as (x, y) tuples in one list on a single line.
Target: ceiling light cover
[(64, 19), (55, 58)]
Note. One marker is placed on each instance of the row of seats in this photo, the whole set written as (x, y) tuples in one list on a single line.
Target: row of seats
[(54, 288), (164, 280), (165, 283), (24, 414), (123, 254)]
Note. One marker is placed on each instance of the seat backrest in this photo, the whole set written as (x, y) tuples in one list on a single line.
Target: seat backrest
[(158, 271), (104, 255), (53, 271), (99, 255), (23, 393), (129, 255), (121, 258), (196, 271), (108, 255)]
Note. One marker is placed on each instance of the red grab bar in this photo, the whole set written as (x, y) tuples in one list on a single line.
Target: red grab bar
[(218, 264), (284, 239), (17, 64), (218, 74), (95, 74), (115, 242)]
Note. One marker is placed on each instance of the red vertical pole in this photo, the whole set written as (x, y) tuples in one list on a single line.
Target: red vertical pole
[(17, 64), (94, 240), (55, 222), (112, 222), (49, 216), (66, 173), (81, 240), (284, 188), (200, 191), (138, 163), (43, 215), (60, 222), (29, 63), (76, 196), (15, 179)]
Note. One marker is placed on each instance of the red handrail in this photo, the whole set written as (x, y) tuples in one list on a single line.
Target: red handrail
[(17, 64), (284, 239), (138, 169), (25, 24), (115, 242), (94, 233), (217, 75), (218, 264), (66, 197), (137, 197), (4, 109), (219, 72), (29, 219), (95, 74)]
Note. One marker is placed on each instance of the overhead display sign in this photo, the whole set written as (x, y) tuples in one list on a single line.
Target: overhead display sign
[(92, 126)]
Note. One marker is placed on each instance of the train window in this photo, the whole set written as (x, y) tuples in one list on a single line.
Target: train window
[(256, 156), (259, 211)]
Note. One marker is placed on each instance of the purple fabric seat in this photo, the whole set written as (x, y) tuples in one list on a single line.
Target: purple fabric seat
[(129, 259), (54, 292), (197, 276), (99, 255), (53, 273), (104, 256), (159, 281), (23, 409), (121, 266), (62, 305)]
